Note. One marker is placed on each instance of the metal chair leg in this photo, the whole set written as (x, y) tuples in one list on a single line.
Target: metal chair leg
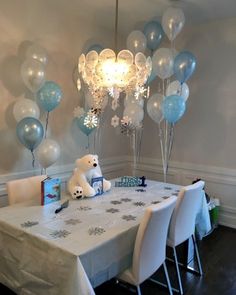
[(139, 290), (178, 272), (167, 278), (197, 255)]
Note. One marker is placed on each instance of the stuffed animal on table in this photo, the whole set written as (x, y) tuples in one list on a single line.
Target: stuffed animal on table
[(87, 168), (77, 193)]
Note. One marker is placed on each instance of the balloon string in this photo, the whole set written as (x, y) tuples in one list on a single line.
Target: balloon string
[(33, 158), (46, 126), (88, 144)]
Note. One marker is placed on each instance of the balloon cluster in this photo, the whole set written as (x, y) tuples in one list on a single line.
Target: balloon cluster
[(170, 105), (48, 94)]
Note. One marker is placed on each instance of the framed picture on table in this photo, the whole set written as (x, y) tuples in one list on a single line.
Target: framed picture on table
[(97, 184)]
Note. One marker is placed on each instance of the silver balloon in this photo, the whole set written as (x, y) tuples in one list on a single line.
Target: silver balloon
[(154, 107), (48, 153), (33, 74), (175, 88), (129, 99), (163, 63), (135, 113), (37, 52), (136, 42), (25, 108), (172, 22)]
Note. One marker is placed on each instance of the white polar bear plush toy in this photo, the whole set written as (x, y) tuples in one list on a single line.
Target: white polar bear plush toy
[(87, 168)]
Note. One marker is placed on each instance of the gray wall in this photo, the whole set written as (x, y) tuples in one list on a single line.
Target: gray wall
[(64, 31), (206, 133)]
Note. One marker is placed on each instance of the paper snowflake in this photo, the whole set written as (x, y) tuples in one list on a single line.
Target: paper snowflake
[(128, 217), (96, 231), (29, 223), (78, 112), (60, 234), (125, 120), (115, 121), (112, 210), (91, 120), (114, 92), (114, 104)]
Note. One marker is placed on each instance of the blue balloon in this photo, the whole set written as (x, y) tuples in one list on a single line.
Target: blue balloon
[(97, 47), (184, 66), (30, 132), (80, 123), (173, 108), (154, 34), (49, 96)]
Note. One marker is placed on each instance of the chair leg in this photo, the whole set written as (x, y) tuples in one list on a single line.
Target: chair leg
[(197, 255), (177, 271), (139, 290), (167, 278)]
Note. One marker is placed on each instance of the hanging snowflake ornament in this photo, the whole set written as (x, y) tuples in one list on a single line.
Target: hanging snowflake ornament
[(115, 121), (91, 120), (125, 120), (141, 91), (78, 112), (78, 84), (114, 104), (96, 111)]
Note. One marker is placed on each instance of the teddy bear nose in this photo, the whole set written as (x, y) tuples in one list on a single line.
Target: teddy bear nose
[(95, 165)]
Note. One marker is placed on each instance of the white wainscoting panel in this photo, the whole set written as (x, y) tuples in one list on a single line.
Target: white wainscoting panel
[(111, 167), (220, 182)]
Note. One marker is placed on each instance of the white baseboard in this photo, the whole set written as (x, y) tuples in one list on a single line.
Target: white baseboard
[(220, 182)]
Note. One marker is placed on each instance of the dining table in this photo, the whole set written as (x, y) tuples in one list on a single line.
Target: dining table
[(79, 248)]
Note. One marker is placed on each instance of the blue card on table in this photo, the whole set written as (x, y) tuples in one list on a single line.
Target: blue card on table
[(97, 184), (50, 190)]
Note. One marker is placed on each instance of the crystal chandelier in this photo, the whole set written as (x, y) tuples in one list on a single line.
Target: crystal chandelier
[(114, 72)]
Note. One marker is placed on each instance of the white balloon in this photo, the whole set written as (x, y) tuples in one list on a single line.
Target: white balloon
[(163, 63), (25, 108), (136, 42), (129, 99), (154, 107), (135, 113), (172, 22), (37, 52), (33, 74), (48, 153), (175, 87)]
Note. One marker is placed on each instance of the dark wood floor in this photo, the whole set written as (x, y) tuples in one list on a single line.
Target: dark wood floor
[(218, 255)]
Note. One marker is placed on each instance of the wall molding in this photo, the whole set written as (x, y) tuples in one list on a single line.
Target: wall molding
[(220, 182)]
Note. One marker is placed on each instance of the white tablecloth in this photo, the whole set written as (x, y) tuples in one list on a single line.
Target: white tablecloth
[(84, 245)]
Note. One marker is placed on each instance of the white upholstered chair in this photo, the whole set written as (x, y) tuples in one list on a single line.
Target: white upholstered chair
[(25, 189), (182, 224), (150, 245)]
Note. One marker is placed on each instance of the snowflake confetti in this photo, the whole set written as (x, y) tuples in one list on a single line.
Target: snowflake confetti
[(29, 224), (96, 231), (126, 200), (112, 210), (84, 208), (60, 234), (116, 202), (139, 204), (156, 202), (129, 217), (72, 221)]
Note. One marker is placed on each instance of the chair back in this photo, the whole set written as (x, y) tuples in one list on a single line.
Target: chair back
[(182, 224), (25, 189), (150, 244)]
